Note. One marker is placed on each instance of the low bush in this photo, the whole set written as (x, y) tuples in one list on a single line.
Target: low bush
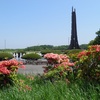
[(73, 54), (88, 64), (85, 65), (59, 67), (31, 56), (8, 72), (51, 51), (5, 56), (73, 51)]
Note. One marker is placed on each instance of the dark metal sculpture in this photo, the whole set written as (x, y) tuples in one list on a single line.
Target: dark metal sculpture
[(74, 40)]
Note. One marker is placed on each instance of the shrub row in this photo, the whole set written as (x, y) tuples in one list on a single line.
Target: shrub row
[(5, 56), (31, 56), (85, 66)]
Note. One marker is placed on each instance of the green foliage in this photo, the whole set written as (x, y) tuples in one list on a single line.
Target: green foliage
[(98, 33), (7, 80), (56, 74), (84, 46), (41, 90), (46, 51), (59, 67), (20, 51), (61, 48), (38, 48), (88, 64), (51, 51), (96, 40), (5, 56), (66, 81), (91, 42), (73, 51), (73, 54), (46, 47), (52, 48), (8, 70), (31, 56)]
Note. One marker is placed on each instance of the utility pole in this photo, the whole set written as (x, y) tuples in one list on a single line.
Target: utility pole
[(5, 44)]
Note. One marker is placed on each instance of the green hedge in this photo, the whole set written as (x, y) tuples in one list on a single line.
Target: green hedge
[(73, 51), (51, 51), (73, 54), (31, 56), (5, 56)]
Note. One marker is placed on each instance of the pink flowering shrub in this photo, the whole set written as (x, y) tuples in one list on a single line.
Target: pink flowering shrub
[(88, 64), (59, 66), (8, 70)]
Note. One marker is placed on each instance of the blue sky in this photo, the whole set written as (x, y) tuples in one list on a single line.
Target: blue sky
[(25, 23)]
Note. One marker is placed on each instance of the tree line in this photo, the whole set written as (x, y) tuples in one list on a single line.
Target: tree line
[(96, 41), (51, 47)]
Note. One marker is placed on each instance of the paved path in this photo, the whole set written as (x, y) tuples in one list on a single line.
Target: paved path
[(32, 69)]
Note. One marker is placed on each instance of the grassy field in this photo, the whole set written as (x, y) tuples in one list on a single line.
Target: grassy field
[(32, 88)]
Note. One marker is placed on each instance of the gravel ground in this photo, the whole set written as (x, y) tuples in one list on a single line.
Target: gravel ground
[(31, 69)]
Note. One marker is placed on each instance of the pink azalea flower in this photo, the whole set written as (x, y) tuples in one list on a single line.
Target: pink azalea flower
[(4, 70)]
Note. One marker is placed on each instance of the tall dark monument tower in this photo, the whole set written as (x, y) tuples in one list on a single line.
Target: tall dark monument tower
[(74, 40)]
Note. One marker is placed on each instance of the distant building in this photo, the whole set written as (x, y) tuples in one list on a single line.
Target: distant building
[(74, 40)]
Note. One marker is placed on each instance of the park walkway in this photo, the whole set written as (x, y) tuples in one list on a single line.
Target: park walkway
[(31, 69)]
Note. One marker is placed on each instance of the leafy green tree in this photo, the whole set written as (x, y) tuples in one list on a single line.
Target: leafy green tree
[(96, 40), (91, 42), (84, 46), (98, 33)]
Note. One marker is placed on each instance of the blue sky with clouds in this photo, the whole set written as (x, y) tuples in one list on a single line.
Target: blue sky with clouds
[(25, 23)]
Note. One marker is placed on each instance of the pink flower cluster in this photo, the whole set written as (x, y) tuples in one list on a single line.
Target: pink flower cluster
[(95, 47), (92, 49), (51, 57), (8, 66), (60, 59), (84, 53)]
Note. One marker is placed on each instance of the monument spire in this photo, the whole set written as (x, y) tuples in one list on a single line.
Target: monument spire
[(74, 40)]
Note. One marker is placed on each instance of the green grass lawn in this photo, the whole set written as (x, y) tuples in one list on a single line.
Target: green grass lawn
[(32, 88)]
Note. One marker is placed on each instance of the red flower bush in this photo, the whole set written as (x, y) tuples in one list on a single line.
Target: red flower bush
[(8, 71), (88, 64), (9, 66), (56, 58), (59, 66), (95, 48)]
